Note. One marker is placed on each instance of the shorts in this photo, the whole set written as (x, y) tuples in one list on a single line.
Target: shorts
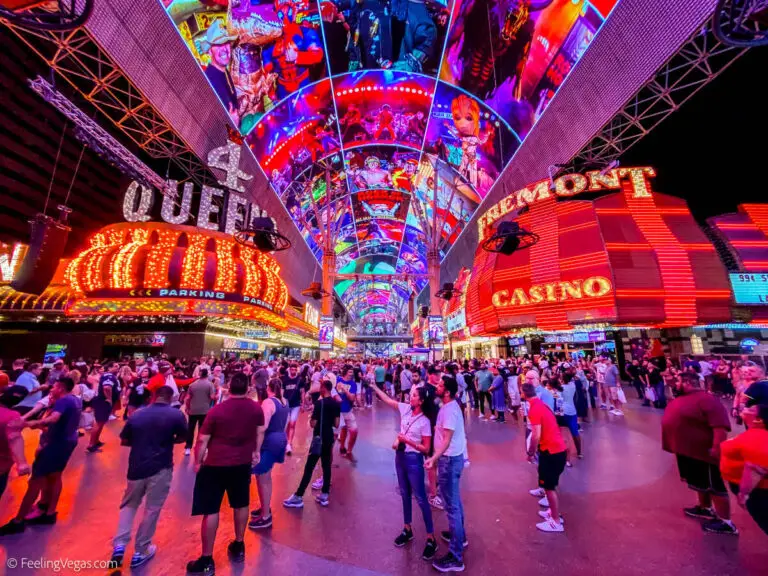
[(701, 476), (613, 392), (102, 410), (550, 468), (213, 481), (294, 416), (348, 420), (52, 459), (570, 422), (267, 460)]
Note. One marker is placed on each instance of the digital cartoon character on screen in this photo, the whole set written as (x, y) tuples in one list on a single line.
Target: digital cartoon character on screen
[(373, 175), (383, 120), (298, 48), (279, 181), (481, 63), (372, 231), (402, 175), (352, 125), (466, 127), (414, 130), (218, 43), (380, 209)]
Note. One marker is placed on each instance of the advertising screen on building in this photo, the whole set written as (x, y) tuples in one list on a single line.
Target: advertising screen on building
[(54, 352), (325, 333), (750, 288), (436, 330)]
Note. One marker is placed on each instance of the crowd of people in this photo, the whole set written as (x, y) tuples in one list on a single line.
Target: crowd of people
[(238, 418)]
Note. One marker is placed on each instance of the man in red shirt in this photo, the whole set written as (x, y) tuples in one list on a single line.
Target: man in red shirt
[(546, 437), (692, 428), (229, 434)]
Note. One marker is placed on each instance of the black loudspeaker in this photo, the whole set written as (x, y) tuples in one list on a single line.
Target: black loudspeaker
[(424, 311), (46, 247)]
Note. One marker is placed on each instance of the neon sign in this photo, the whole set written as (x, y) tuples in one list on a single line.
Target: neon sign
[(565, 186), (325, 333), (593, 287), (750, 288), (11, 257)]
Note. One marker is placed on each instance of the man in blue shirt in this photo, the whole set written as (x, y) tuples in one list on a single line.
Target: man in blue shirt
[(151, 434), (30, 380), (346, 386), (57, 442)]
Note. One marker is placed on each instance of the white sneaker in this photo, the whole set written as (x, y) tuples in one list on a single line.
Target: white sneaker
[(550, 525), (187, 451), (112, 417), (537, 492), (544, 503), (617, 412), (437, 502), (317, 484), (294, 502), (492, 418), (288, 449), (548, 514), (481, 417)]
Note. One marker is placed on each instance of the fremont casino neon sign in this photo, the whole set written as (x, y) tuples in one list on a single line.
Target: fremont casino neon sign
[(593, 287)]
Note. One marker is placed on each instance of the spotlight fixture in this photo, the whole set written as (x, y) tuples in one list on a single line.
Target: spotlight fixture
[(447, 292), (315, 291), (261, 234), (509, 237)]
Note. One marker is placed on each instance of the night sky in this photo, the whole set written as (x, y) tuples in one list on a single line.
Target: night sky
[(713, 151)]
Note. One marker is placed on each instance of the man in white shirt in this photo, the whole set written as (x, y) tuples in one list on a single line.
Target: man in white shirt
[(450, 445)]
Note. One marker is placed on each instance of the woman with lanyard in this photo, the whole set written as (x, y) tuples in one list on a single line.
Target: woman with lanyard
[(270, 449), (413, 442)]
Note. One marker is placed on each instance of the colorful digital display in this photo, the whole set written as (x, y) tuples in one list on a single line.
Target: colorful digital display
[(514, 54), (325, 333), (750, 288), (54, 352), (429, 99)]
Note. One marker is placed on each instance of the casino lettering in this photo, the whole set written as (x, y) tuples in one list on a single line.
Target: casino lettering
[(593, 287)]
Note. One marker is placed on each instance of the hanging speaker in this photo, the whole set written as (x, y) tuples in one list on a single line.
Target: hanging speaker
[(46, 247)]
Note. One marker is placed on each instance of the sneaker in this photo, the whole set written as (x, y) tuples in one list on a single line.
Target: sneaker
[(537, 492), (492, 418), (448, 563), (256, 513), (288, 449), (322, 499), (700, 512), (236, 551), (580, 456), (187, 451), (405, 536), (203, 565), (550, 525), (342, 450), (482, 417), (116, 560), (617, 412), (446, 535), (430, 549), (93, 449), (718, 526), (140, 558), (437, 502), (42, 520), (611, 407), (112, 417), (568, 464), (13, 527), (294, 502), (317, 484), (259, 523), (603, 407), (544, 503), (548, 514)]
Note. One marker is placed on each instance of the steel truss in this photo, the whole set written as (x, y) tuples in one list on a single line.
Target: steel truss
[(699, 61), (77, 58)]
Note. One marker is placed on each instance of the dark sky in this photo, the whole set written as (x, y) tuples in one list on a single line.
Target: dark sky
[(713, 151)]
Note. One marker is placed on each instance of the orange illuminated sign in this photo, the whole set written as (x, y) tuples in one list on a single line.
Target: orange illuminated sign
[(593, 287), (565, 186)]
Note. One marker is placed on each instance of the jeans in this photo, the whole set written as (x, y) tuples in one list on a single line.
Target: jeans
[(593, 393), (368, 395), (661, 398), (155, 490), (449, 470), (194, 420), (410, 477), (640, 389), (326, 458)]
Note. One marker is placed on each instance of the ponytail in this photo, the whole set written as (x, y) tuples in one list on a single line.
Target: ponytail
[(276, 386)]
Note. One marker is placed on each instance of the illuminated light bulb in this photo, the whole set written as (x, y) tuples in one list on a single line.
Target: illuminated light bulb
[(253, 275), (225, 265), (169, 198), (207, 207), (193, 267), (121, 268), (159, 258), (231, 167)]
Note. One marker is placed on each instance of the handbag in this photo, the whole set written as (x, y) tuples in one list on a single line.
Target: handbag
[(316, 447), (650, 395), (620, 393)]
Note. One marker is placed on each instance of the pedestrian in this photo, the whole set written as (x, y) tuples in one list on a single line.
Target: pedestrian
[(411, 445), (406, 381), (450, 446), (138, 391), (224, 455), (30, 379), (346, 387), (483, 381), (198, 401), (102, 404), (496, 390), (151, 435), (325, 417), (692, 428), (57, 442), (270, 450), (547, 441), (11, 441), (612, 383), (294, 394)]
